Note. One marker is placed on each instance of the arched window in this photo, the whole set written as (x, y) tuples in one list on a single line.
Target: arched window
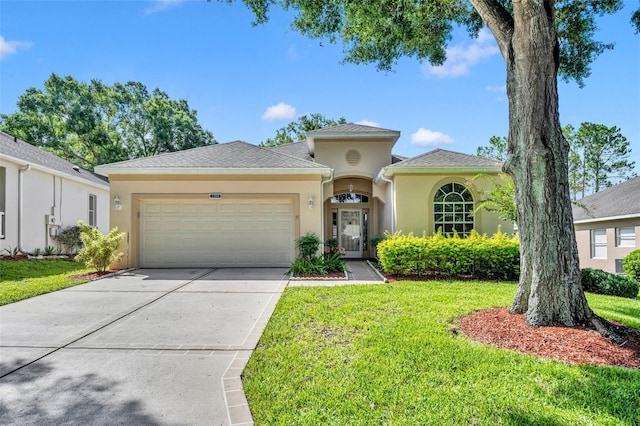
[(349, 197), (453, 209)]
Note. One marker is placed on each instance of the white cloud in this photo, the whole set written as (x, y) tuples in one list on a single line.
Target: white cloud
[(502, 88), (461, 58), (8, 47), (161, 5), (426, 137), (366, 122), (281, 111)]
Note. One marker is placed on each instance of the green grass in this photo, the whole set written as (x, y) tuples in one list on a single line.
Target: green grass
[(383, 355), (23, 279)]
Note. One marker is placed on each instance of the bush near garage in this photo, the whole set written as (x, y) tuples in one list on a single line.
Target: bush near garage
[(631, 265), (477, 256), (99, 250), (601, 282)]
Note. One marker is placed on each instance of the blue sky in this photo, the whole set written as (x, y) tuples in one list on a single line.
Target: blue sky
[(246, 82)]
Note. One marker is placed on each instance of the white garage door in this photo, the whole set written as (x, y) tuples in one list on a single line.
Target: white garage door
[(216, 233)]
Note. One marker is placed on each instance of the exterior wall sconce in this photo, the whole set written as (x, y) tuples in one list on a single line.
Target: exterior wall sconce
[(350, 187), (310, 201), (117, 203)]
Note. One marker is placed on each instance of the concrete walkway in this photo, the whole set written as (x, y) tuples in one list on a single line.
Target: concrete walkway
[(358, 272)]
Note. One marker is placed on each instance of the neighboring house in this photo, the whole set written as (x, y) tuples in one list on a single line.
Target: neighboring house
[(607, 225), (41, 194), (237, 204)]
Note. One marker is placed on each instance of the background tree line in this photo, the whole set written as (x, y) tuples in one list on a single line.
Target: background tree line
[(94, 123)]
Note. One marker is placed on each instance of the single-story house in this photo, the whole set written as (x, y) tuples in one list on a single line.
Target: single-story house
[(607, 224), (237, 204), (41, 193)]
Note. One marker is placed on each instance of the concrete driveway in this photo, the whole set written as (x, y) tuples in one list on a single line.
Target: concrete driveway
[(148, 347)]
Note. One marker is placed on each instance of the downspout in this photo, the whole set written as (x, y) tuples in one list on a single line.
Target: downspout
[(322, 218), (21, 171), (393, 202)]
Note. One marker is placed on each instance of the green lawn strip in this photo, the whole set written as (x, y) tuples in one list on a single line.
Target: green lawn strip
[(384, 354), (23, 279)]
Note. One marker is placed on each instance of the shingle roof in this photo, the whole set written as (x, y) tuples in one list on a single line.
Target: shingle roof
[(29, 154), (231, 155), (296, 149), (443, 158), (619, 200), (360, 129)]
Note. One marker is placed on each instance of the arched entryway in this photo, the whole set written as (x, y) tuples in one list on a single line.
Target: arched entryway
[(350, 215)]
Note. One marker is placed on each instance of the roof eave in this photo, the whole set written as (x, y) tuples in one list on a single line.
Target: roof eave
[(106, 171), (36, 166), (392, 170), (394, 135), (607, 218)]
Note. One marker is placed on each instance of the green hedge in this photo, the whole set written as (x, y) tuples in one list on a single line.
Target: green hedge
[(631, 265), (601, 282), (476, 256)]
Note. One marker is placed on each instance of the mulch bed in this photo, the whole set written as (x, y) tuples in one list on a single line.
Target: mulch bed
[(574, 345), (91, 275), (327, 276)]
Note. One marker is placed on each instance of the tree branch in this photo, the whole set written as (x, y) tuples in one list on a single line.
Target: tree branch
[(499, 21)]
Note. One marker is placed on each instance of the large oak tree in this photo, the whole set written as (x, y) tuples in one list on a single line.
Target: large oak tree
[(93, 123), (539, 40)]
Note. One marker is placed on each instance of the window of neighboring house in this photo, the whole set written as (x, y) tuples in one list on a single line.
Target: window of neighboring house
[(599, 243), (93, 216), (3, 183), (626, 237), (453, 209)]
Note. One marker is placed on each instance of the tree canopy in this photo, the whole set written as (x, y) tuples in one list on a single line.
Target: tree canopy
[(297, 130), (599, 157), (540, 40), (93, 123)]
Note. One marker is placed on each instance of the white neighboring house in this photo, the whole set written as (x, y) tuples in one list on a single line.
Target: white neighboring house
[(41, 193)]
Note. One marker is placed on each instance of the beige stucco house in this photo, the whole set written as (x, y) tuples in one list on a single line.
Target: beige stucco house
[(41, 193), (607, 225), (237, 204)]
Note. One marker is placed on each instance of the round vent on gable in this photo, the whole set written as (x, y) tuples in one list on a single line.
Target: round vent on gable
[(353, 157)]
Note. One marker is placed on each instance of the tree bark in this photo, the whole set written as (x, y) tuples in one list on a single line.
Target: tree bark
[(549, 291)]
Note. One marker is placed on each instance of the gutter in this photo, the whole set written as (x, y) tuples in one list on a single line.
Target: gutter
[(107, 171), (608, 218), (21, 172)]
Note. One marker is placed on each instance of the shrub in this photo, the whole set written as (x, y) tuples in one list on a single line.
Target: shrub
[(69, 238), (631, 265), (477, 255), (601, 282), (308, 245), (99, 249)]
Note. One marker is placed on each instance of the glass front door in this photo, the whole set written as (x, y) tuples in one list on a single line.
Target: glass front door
[(350, 232)]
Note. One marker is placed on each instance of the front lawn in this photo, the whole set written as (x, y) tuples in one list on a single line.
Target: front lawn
[(385, 354), (22, 279)]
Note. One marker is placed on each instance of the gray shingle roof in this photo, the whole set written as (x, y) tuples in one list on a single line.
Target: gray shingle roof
[(30, 154), (360, 129), (231, 155), (443, 158), (619, 200), (297, 149)]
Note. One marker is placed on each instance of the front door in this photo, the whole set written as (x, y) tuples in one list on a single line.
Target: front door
[(350, 232)]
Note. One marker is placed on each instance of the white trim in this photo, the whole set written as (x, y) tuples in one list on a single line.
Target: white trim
[(604, 219), (36, 166), (107, 171), (392, 170)]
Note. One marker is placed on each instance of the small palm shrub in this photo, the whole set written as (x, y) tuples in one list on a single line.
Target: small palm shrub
[(631, 265), (601, 282), (99, 249)]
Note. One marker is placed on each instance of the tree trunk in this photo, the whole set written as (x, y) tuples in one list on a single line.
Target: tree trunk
[(549, 291)]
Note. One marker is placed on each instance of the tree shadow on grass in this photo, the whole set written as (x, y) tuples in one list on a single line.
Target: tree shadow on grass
[(30, 396)]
